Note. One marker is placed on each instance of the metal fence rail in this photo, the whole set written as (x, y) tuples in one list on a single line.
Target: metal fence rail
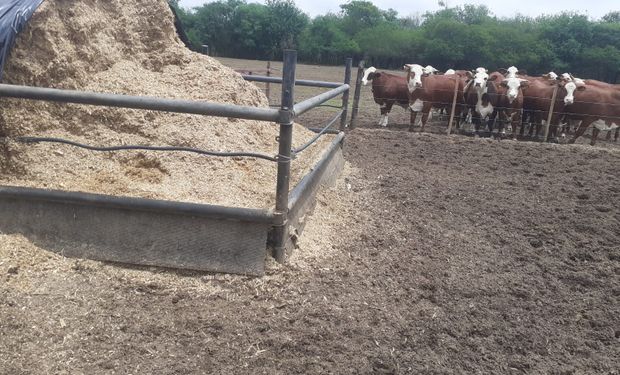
[(277, 218)]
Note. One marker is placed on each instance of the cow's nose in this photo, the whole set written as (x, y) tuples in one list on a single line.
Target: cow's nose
[(477, 84)]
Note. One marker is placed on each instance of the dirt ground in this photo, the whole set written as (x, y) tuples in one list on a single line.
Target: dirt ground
[(433, 254)]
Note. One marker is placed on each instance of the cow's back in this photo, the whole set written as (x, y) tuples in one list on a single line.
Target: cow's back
[(439, 89), (387, 86), (597, 101)]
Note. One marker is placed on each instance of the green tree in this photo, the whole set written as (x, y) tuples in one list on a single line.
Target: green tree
[(286, 22), (612, 17), (359, 15)]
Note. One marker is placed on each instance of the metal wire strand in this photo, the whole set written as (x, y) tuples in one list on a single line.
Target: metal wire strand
[(318, 135), (146, 148)]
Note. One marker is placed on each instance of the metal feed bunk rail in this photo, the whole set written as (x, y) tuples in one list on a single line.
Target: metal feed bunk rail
[(177, 234)]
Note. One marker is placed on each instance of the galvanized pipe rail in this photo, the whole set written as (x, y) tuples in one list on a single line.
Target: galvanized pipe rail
[(286, 200), (140, 102), (298, 82)]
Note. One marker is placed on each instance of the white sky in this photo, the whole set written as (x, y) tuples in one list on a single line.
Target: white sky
[(503, 8)]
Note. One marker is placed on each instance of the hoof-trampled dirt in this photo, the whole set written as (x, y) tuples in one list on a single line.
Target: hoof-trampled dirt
[(432, 255)]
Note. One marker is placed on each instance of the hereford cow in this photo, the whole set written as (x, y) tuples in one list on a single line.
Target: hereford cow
[(481, 97), (537, 100), (595, 104), (510, 101), (387, 90), (431, 91)]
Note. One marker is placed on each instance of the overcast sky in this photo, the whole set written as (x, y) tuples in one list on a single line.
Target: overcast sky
[(504, 8)]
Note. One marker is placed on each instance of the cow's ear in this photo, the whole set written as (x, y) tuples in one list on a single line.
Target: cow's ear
[(504, 83), (469, 74), (525, 84), (494, 77), (581, 87)]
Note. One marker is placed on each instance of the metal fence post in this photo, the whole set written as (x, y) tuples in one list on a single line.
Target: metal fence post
[(356, 95), (268, 86), (284, 155), (345, 96)]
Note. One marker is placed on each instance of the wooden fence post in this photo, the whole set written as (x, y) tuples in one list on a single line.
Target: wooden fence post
[(550, 116), (356, 96), (456, 91)]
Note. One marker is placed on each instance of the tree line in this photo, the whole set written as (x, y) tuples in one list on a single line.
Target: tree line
[(465, 36)]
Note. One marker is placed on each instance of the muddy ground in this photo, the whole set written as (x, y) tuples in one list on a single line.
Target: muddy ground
[(436, 255), (431, 255)]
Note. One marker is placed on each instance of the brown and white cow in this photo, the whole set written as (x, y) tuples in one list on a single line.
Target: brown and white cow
[(481, 97), (387, 89), (594, 105), (510, 102), (431, 91), (537, 101)]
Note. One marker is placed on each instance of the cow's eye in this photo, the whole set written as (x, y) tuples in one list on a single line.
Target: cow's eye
[(485, 78)]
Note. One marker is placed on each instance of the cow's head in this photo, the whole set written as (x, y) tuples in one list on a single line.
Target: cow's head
[(571, 84), (513, 85), (429, 70), (512, 72), (551, 76), (450, 71), (414, 76), (480, 78), (369, 75)]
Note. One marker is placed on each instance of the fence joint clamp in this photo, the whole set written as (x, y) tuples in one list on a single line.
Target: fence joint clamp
[(279, 218), (286, 116)]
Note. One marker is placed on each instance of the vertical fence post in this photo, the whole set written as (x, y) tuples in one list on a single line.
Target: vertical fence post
[(268, 88), (356, 96), (452, 112), (550, 116), (285, 140), (345, 96)]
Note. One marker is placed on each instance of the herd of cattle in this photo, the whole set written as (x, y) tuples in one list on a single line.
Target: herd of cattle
[(507, 94)]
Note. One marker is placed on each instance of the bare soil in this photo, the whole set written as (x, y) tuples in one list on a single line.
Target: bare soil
[(431, 255)]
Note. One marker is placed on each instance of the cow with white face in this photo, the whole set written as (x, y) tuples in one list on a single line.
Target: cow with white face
[(481, 98), (513, 87), (510, 100), (571, 85), (387, 89), (430, 70), (512, 72), (414, 76)]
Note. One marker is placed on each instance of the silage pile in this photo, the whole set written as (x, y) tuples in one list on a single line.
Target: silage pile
[(132, 48)]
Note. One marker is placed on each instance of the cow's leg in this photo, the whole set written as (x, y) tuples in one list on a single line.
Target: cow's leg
[(476, 120), (425, 113), (581, 129), (617, 134), (412, 119), (516, 120), (384, 115), (524, 119), (491, 121), (388, 109)]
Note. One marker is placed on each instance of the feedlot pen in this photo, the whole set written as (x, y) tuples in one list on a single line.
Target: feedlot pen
[(175, 234)]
